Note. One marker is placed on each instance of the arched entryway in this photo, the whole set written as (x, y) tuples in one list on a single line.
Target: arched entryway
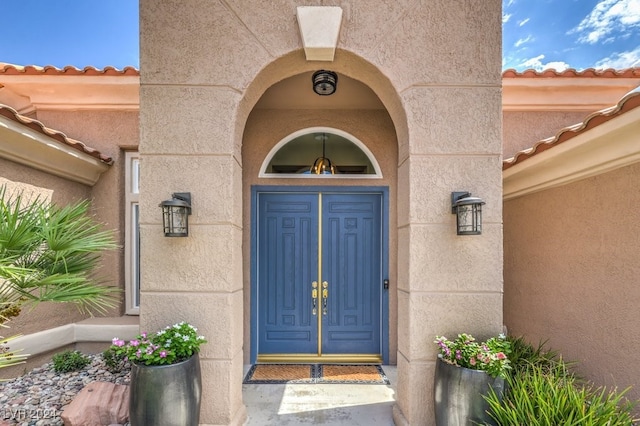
[(280, 323)]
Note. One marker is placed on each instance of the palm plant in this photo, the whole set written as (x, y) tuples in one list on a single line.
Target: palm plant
[(49, 253)]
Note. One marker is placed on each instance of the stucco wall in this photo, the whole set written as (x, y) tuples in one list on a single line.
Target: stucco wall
[(523, 129), (571, 274), (265, 128)]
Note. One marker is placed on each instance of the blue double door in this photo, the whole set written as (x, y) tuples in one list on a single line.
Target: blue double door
[(319, 276)]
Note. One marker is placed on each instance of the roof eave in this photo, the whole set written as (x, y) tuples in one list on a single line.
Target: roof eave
[(24, 145), (609, 146)]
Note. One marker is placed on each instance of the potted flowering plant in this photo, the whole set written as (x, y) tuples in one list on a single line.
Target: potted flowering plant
[(165, 375), (171, 345), (466, 370), (465, 351)]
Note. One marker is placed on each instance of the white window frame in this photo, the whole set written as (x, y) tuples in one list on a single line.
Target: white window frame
[(132, 233), (357, 142)]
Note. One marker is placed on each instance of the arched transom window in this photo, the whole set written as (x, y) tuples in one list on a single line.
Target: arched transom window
[(320, 152)]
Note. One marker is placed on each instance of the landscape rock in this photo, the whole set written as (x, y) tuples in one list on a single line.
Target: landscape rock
[(98, 404)]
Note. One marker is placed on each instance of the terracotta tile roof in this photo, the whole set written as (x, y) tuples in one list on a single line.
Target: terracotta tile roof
[(630, 101), (11, 69), (572, 73), (36, 125)]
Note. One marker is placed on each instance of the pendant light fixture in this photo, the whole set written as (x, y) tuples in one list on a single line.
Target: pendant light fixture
[(322, 165)]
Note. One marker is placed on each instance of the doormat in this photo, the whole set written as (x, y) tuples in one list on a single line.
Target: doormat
[(316, 373)]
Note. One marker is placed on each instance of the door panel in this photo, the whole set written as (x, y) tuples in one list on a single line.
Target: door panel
[(352, 267), (287, 264)]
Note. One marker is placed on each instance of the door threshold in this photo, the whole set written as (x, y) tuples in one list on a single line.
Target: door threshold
[(320, 359)]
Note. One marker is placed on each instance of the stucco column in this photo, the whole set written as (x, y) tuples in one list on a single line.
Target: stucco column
[(187, 144), (446, 60), (197, 278)]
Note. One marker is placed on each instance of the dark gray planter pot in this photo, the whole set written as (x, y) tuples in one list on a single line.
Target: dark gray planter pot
[(458, 393), (167, 395)]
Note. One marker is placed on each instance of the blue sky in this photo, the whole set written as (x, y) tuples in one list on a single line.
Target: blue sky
[(577, 34), (537, 34), (70, 32)]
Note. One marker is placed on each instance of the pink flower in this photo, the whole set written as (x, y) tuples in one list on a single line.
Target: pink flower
[(472, 361), (118, 342), (163, 354), (134, 343), (500, 355)]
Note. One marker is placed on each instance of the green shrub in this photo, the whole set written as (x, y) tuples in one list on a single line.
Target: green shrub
[(67, 361), (113, 361), (543, 391), (523, 354)]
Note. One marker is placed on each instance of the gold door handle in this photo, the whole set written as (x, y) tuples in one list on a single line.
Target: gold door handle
[(325, 296), (314, 296)]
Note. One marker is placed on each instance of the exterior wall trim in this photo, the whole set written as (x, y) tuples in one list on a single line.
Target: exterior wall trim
[(90, 330)]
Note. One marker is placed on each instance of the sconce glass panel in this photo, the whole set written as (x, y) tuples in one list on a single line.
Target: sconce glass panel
[(469, 219), (176, 221)]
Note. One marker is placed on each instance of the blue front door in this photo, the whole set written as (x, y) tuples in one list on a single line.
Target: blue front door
[(319, 276)]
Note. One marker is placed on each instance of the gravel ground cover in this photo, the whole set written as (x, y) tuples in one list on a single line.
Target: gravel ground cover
[(39, 397)]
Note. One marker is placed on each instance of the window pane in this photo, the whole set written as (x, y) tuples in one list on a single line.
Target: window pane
[(135, 176), (299, 155), (135, 254)]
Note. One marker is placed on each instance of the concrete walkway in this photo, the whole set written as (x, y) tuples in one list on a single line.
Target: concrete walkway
[(314, 404)]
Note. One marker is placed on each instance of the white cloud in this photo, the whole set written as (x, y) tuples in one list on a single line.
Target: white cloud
[(537, 64), (608, 16), (524, 21), (621, 60), (522, 41), (506, 17)]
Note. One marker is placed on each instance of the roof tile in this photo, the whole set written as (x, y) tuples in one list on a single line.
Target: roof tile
[(10, 69), (572, 73)]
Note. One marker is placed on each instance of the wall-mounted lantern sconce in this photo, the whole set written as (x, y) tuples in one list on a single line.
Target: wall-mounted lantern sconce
[(324, 82), (175, 214), (468, 211)]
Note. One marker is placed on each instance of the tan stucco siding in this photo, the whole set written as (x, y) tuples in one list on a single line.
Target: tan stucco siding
[(571, 274)]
